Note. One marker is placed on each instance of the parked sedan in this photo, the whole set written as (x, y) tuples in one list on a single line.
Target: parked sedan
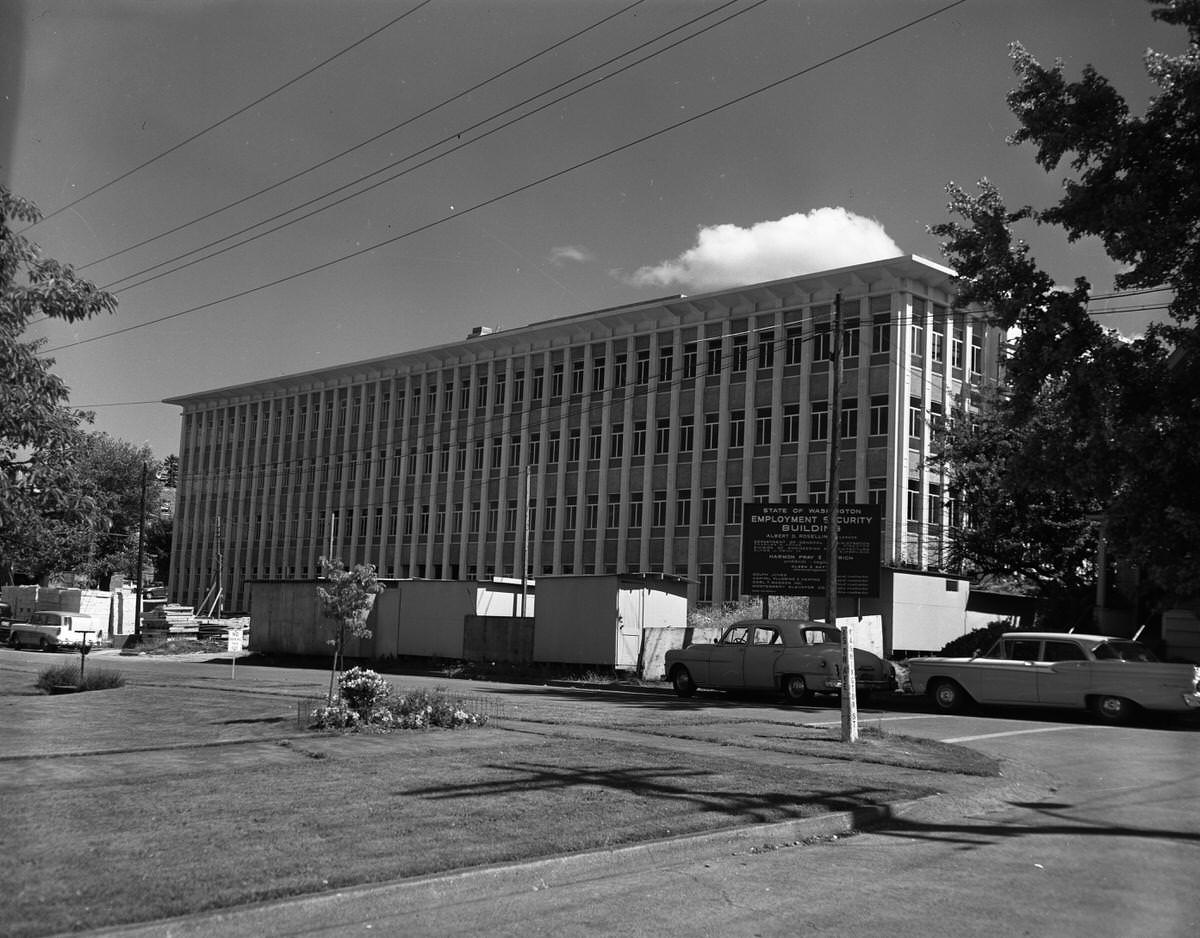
[(1112, 677), (792, 656)]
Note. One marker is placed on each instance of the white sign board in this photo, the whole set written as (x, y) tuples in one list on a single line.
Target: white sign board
[(236, 639)]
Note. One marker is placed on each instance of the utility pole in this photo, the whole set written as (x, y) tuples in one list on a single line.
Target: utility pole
[(849, 689), (137, 611), (525, 546)]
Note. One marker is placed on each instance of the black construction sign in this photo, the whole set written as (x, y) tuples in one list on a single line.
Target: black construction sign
[(785, 550)]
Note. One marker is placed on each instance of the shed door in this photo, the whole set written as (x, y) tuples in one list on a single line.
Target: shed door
[(629, 628)]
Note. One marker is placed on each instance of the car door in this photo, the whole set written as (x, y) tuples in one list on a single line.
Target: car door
[(1013, 678), (759, 657), (725, 664), (1063, 674)]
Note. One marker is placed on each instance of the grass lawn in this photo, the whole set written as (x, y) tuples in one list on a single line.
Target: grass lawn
[(145, 833)]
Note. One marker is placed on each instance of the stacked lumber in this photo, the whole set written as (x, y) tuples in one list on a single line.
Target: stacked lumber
[(170, 621)]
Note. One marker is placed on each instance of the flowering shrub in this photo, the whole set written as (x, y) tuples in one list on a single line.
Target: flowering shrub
[(415, 710), (363, 689)]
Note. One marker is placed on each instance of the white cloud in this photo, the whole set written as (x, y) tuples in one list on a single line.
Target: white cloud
[(728, 255), (569, 252)]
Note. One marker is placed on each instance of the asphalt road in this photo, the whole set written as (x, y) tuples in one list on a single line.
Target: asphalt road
[(1098, 835)]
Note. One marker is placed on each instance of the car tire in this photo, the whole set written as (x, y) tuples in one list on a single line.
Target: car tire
[(1113, 709), (681, 680), (43, 644), (948, 696), (795, 689), (14, 641)]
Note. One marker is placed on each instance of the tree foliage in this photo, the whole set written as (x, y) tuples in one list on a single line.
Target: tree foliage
[(346, 597), (1090, 429), (39, 432)]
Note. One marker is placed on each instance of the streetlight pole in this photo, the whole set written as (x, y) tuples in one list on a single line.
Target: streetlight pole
[(137, 614)]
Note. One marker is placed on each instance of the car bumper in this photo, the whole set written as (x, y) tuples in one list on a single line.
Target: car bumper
[(1192, 701)]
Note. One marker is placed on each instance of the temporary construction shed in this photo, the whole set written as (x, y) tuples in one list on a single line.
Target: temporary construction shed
[(620, 621)]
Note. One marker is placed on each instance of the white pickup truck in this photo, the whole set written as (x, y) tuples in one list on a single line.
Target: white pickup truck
[(49, 630)]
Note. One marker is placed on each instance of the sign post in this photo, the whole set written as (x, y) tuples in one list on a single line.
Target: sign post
[(234, 637)]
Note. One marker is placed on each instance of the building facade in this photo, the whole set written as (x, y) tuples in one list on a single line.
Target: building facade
[(624, 440)]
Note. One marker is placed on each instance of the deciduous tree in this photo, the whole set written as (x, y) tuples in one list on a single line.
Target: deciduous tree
[(346, 598)]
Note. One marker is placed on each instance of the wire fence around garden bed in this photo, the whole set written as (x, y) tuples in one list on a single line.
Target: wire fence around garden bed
[(485, 707)]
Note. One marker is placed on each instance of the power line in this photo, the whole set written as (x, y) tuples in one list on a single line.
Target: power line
[(426, 149), (530, 185), (228, 117)]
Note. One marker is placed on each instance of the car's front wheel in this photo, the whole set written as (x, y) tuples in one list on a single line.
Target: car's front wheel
[(948, 696), (795, 688), (1113, 709), (14, 640), (681, 680)]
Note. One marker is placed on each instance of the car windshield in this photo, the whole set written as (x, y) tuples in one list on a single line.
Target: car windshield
[(1119, 650), (816, 636)]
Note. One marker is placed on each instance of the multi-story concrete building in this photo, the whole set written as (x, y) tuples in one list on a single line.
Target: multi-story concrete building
[(619, 440)]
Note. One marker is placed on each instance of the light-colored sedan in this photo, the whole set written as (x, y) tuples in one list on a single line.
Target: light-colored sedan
[(792, 656), (1113, 677)]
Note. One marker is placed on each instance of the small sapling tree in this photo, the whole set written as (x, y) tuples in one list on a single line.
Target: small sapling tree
[(346, 599)]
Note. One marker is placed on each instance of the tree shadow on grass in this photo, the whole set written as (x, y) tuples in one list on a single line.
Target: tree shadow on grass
[(669, 784)]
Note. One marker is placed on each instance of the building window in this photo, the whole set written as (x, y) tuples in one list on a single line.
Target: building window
[(658, 510), (639, 438), (571, 513), (519, 387), (914, 500), (683, 509), (595, 440), (535, 448), (444, 458), (762, 494), (818, 493), (733, 504), (620, 367), (741, 346), (690, 356), (850, 340), (849, 419), (497, 452), (823, 342), (732, 583), (879, 415), (635, 510), (424, 519), (481, 392), (662, 436), (510, 517), (976, 356), (598, 373), (914, 416), (478, 463), (937, 349), (712, 430), (539, 384), (514, 451), (819, 423), (556, 380), (577, 377), (794, 345), (877, 492), (708, 507), (766, 348), (464, 395), (666, 363), (613, 512), (713, 365), (475, 518), (956, 349), (737, 428), (642, 368), (918, 332), (791, 423), (573, 442), (705, 592), (935, 505), (687, 434), (549, 516), (616, 442), (762, 427), (501, 382), (493, 517), (552, 447)]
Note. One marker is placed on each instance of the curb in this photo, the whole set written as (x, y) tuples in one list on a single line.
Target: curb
[(281, 916)]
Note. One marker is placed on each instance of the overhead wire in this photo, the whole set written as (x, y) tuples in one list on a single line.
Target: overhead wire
[(358, 146), (228, 117), (484, 203), (456, 135)]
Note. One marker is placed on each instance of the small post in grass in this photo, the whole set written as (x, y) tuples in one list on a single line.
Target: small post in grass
[(84, 647)]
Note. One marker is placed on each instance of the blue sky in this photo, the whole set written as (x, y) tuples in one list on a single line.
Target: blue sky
[(845, 161)]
